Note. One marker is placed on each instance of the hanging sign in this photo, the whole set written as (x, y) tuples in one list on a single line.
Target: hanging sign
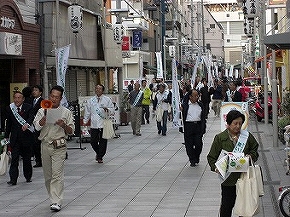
[(75, 17), (118, 30), (137, 39), (125, 43)]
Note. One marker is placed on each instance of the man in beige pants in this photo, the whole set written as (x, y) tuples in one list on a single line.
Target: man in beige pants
[(55, 125)]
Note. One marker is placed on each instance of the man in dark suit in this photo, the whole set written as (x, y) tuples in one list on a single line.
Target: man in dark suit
[(194, 123), (19, 117), (36, 93), (232, 95)]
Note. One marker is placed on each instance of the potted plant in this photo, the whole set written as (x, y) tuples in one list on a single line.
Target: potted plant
[(125, 109), (285, 119)]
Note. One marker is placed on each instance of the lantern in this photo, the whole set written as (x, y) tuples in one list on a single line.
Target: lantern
[(75, 17)]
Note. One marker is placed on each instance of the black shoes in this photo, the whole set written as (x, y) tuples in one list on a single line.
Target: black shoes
[(37, 165), (159, 131), (11, 183), (28, 180), (138, 134)]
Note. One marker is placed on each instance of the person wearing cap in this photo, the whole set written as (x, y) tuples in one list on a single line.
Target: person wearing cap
[(161, 105)]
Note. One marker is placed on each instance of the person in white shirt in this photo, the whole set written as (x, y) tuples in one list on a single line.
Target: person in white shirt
[(161, 105), (194, 126), (96, 110)]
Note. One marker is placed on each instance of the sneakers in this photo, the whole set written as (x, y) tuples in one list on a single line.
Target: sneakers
[(55, 207)]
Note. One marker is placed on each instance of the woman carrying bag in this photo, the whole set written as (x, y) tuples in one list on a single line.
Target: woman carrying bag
[(227, 141)]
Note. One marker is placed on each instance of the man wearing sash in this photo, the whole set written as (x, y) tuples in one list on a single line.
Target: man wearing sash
[(233, 139), (135, 100), (96, 110), (161, 105), (19, 130)]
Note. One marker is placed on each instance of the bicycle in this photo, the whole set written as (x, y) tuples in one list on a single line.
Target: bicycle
[(284, 200), (287, 148)]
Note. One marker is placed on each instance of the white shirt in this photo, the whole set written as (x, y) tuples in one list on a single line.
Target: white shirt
[(94, 110), (194, 112), (160, 97)]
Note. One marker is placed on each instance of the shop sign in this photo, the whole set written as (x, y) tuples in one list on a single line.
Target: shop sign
[(137, 39), (7, 23), (125, 43), (251, 8), (10, 44)]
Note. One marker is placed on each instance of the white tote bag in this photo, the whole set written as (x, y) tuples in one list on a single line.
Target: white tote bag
[(108, 129), (4, 161), (159, 114), (247, 200)]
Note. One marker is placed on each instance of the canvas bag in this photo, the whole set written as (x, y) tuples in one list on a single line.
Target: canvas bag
[(4, 161), (247, 200), (108, 129), (259, 177), (159, 113)]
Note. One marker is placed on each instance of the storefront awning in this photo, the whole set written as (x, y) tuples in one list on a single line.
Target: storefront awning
[(267, 56), (278, 41)]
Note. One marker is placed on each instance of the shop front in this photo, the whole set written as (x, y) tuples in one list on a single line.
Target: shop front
[(19, 52)]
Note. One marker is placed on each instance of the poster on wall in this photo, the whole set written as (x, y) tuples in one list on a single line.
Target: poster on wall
[(228, 106)]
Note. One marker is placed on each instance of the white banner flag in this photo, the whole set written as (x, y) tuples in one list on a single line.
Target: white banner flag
[(61, 56), (140, 69), (176, 121), (159, 65)]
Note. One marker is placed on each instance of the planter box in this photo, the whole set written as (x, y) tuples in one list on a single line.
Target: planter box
[(124, 118)]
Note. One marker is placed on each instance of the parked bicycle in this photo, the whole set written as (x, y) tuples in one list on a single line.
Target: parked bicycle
[(284, 200), (284, 197)]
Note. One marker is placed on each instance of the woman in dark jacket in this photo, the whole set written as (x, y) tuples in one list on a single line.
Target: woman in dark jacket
[(227, 140)]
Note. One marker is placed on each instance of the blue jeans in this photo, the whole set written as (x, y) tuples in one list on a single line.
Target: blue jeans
[(162, 126)]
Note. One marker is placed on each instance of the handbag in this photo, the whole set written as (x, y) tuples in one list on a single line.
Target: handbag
[(159, 114), (247, 200), (259, 177), (108, 129), (4, 161)]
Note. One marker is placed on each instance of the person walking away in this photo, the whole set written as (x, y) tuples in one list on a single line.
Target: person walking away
[(96, 110), (232, 95), (135, 100), (54, 130), (130, 86), (217, 97), (146, 101), (162, 102), (19, 131), (205, 97), (194, 126), (37, 98), (227, 141)]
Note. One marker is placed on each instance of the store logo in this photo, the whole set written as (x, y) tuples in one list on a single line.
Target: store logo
[(7, 23)]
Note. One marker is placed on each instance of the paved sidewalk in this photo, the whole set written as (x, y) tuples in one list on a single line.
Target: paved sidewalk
[(142, 176)]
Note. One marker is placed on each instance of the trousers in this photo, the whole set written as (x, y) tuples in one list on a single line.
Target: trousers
[(53, 171)]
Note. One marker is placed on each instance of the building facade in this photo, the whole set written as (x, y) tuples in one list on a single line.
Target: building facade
[(19, 49)]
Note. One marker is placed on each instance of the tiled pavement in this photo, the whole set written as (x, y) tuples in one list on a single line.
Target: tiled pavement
[(142, 176)]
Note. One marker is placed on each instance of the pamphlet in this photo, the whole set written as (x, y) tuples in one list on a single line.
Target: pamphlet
[(53, 115)]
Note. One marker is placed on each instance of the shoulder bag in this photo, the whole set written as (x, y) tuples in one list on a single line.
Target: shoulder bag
[(108, 129)]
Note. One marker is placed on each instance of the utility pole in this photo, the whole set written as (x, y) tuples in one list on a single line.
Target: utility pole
[(274, 90), (163, 28)]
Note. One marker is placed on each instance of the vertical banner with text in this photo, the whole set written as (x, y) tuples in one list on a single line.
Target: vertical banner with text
[(159, 65), (176, 122), (61, 55)]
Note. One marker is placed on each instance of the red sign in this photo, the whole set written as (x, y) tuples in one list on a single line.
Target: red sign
[(126, 43)]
